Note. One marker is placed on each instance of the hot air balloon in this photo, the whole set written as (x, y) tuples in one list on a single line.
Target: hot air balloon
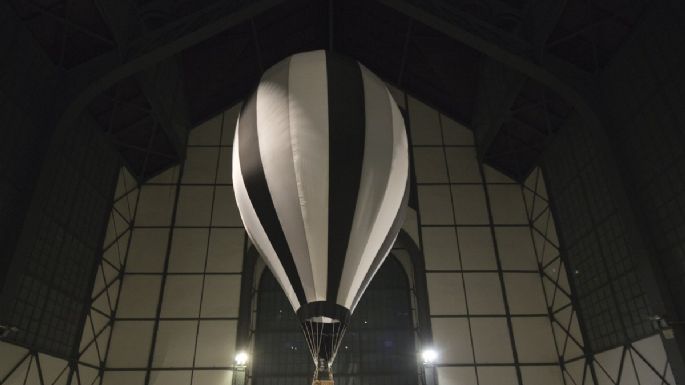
[(320, 176)]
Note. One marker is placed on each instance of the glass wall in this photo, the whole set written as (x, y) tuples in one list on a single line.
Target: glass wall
[(177, 311), (19, 366), (378, 348), (489, 292), (500, 301), (165, 302)]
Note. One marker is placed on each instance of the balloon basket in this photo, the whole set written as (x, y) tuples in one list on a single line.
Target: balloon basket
[(323, 374)]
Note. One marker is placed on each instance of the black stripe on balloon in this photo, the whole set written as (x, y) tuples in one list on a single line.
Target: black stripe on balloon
[(387, 244), (252, 171), (346, 132)]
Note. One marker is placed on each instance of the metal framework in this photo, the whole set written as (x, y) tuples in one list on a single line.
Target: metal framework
[(124, 65)]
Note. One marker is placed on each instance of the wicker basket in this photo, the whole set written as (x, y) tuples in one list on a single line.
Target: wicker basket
[(322, 382)]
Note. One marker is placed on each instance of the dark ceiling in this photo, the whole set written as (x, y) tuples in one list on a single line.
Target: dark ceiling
[(141, 113), (221, 70)]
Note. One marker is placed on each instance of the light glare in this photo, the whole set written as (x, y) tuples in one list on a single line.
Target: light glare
[(241, 359), (429, 356)]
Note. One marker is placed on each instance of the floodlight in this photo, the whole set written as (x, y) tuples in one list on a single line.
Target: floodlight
[(429, 356), (241, 359)]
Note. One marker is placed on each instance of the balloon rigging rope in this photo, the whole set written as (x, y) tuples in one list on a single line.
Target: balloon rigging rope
[(319, 335), (308, 339), (341, 335), (332, 341), (313, 336), (316, 340)]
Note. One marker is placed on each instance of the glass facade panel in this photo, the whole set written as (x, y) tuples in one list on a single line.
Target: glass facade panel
[(377, 349)]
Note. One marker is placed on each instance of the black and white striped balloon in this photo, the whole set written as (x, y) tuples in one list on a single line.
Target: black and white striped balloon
[(320, 175)]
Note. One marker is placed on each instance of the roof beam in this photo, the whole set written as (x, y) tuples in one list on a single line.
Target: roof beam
[(498, 87), (161, 84), (514, 64), (498, 49), (85, 82)]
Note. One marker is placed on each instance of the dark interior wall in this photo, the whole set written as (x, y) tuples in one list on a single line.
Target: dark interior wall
[(599, 237), (644, 94), (619, 192), (51, 274), (27, 81), (55, 193)]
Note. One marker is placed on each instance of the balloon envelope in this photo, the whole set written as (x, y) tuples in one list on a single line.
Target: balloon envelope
[(320, 175)]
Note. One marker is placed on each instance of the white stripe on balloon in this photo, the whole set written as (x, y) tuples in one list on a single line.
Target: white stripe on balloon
[(255, 231), (308, 99)]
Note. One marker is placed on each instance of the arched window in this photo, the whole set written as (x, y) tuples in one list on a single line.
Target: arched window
[(378, 349)]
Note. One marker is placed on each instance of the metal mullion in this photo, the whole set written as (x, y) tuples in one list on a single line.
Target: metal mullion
[(60, 374), (116, 240), (558, 310), (165, 269), (104, 278), (605, 371), (123, 195), (464, 184), (539, 215), (474, 225), (480, 271), (15, 367), (188, 368), (567, 330), (114, 209), (624, 352), (444, 146), (493, 364), (456, 234), (649, 364), (586, 346), (177, 318), (107, 286), (484, 315), (541, 272), (74, 372), (111, 265), (89, 365), (186, 227), (95, 339), (501, 277), (112, 316), (544, 236), (556, 283), (170, 368), (184, 273), (100, 312), (196, 184), (209, 235)]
